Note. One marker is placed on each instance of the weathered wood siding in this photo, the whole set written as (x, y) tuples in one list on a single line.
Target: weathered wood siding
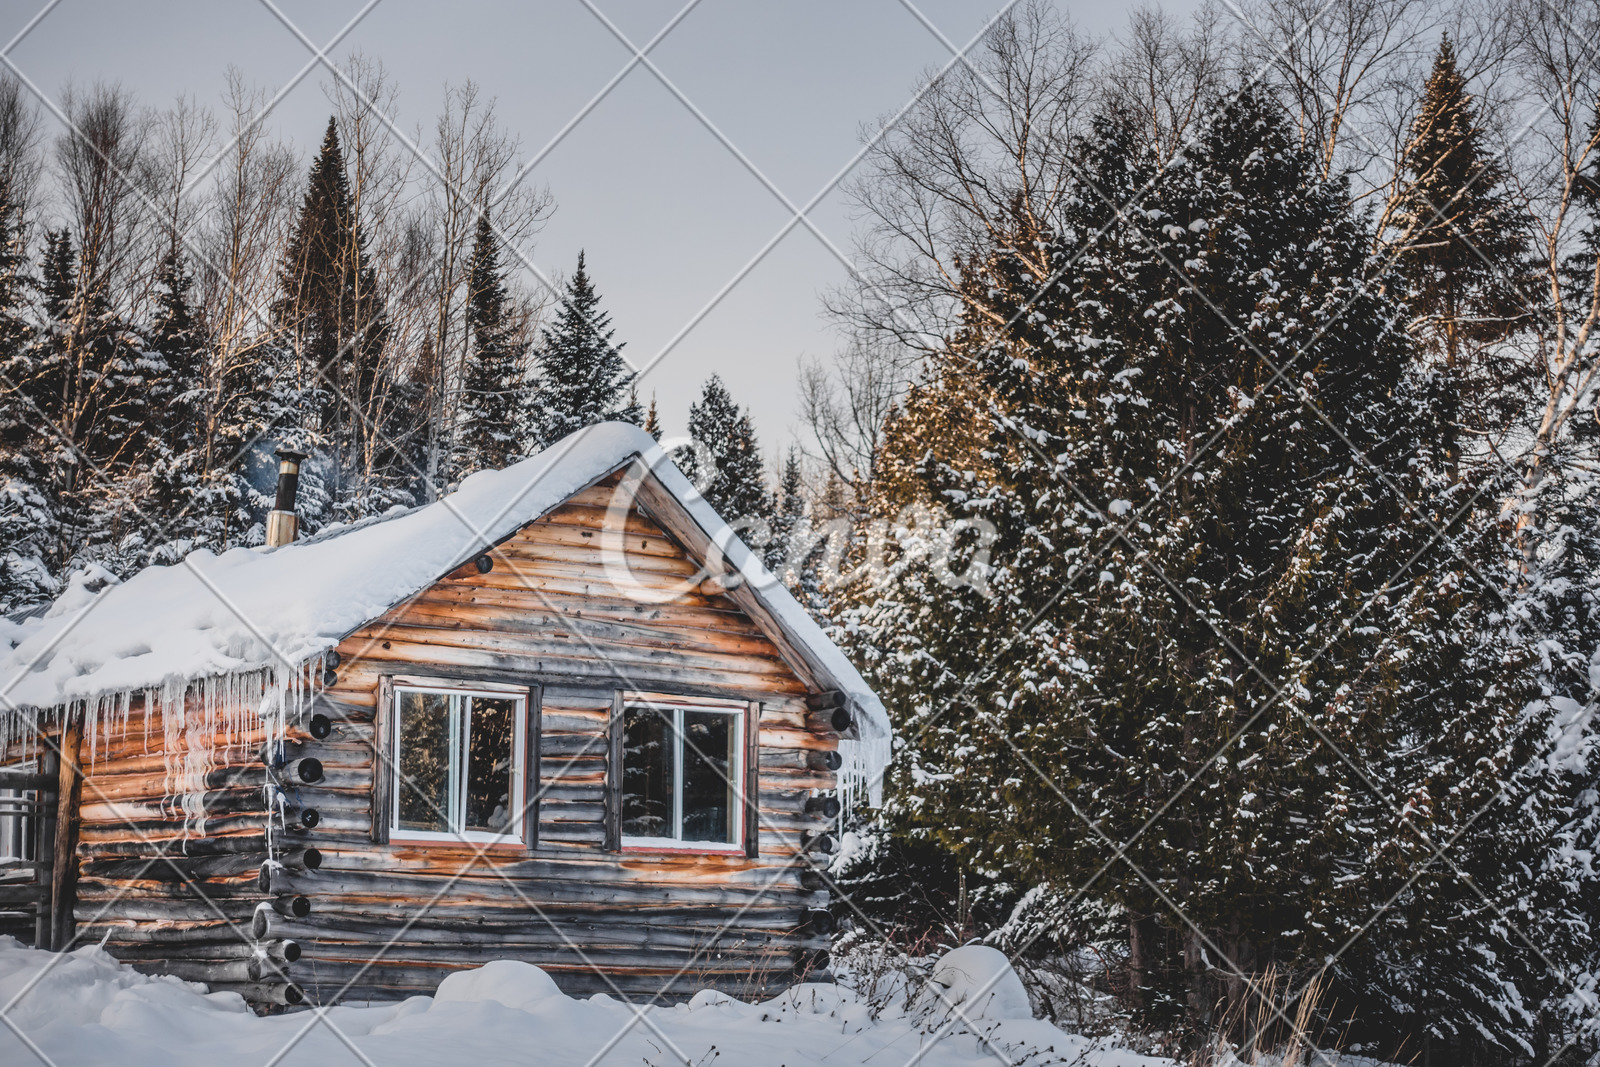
[(390, 919), (172, 893)]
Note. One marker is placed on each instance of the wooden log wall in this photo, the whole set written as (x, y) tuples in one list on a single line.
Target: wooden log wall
[(391, 919), (170, 896)]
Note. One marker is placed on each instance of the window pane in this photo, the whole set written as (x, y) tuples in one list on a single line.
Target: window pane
[(18, 828), (709, 764), (489, 760), (646, 773), (423, 782)]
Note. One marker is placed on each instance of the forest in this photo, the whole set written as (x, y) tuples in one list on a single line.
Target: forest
[(1208, 476), (181, 296)]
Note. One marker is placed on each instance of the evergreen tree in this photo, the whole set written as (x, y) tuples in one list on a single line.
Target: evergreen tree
[(486, 420), (58, 279), (406, 437), (1100, 691), (244, 407), (333, 319), (810, 539), (733, 480), (816, 558), (179, 338), (910, 888), (1461, 244), (580, 377), (117, 421), (652, 420), (790, 518), (27, 520), (87, 377), (44, 376), (183, 500)]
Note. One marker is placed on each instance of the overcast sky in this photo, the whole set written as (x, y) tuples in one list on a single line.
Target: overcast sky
[(667, 214)]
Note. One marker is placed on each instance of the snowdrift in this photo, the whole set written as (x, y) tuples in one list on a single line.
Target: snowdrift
[(86, 1008)]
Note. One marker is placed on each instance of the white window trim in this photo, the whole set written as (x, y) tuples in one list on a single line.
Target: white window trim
[(15, 822), (451, 685), (739, 713), (512, 834)]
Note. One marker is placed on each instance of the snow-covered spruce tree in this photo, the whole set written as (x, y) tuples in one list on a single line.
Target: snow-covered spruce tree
[(180, 340), (208, 417), (255, 402), (1461, 246), (178, 501), (804, 537), (332, 317), (579, 374), (910, 889), (735, 483), (652, 420), (790, 516), (1107, 682), (816, 567), (1473, 957), (41, 377), (27, 520), (488, 413), (87, 376)]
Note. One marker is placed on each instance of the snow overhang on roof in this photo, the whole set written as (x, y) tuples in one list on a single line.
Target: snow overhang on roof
[(272, 610)]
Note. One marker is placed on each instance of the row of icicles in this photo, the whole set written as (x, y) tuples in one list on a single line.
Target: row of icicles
[(204, 723)]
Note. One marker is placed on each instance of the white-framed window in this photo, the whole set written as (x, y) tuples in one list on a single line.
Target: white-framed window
[(682, 775), (458, 763), (19, 821)]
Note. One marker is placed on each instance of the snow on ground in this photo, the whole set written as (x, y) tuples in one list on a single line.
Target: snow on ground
[(86, 1008)]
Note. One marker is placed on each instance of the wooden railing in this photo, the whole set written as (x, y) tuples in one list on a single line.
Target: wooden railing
[(28, 814)]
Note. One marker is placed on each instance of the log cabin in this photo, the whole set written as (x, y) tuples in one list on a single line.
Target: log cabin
[(561, 715)]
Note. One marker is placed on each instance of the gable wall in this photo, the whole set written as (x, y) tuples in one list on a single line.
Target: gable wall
[(547, 613)]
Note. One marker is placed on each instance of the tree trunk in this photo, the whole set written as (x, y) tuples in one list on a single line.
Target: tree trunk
[(1202, 998), (1140, 944)]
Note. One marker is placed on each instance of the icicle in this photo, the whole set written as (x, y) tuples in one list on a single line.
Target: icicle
[(125, 713), (861, 770), (203, 723)]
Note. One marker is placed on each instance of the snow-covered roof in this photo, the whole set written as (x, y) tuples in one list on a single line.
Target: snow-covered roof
[(253, 609)]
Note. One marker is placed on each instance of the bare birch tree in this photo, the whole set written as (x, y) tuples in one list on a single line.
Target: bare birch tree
[(845, 404), (1170, 73), (20, 138), (476, 160), (981, 161), (181, 138), (1556, 170), (97, 163), (250, 207), (98, 160), (1349, 73)]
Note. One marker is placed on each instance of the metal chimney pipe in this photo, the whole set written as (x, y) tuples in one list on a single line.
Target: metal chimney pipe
[(282, 526)]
